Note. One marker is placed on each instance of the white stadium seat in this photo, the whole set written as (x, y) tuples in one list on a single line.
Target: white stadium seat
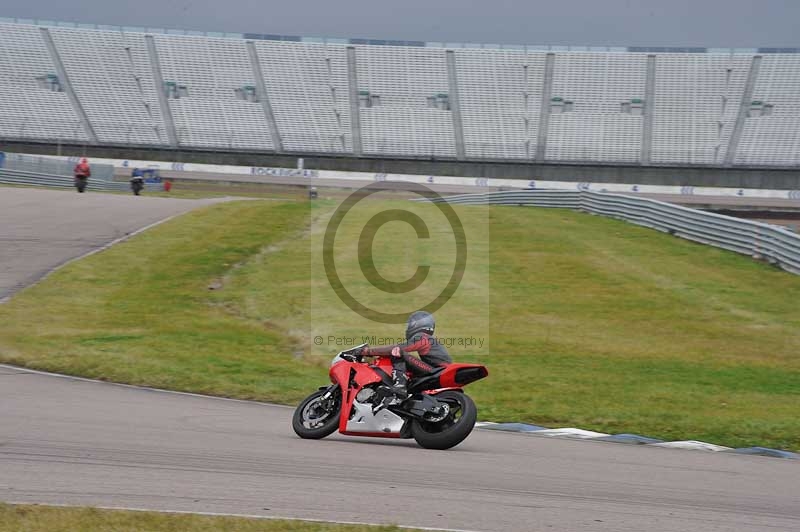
[(500, 93), (212, 69), (308, 90), (110, 74), (410, 97), (596, 130), (28, 110), (774, 138), (404, 77), (697, 100)]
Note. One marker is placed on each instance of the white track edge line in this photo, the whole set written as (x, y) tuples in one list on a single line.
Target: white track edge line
[(245, 516), (91, 252), (262, 403), (48, 273), (478, 425)]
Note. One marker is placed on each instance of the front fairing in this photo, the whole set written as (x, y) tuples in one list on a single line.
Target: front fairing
[(340, 374), (351, 378)]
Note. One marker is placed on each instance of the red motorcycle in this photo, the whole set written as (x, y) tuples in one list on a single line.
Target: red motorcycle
[(437, 413)]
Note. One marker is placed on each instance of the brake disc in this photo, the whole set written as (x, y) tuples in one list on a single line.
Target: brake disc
[(435, 418)]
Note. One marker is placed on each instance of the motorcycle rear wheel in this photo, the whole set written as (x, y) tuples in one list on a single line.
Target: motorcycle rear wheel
[(453, 429), (310, 421)]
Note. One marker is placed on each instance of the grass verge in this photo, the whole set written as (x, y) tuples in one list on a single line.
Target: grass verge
[(592, 322), (140, 312), (35, 518)]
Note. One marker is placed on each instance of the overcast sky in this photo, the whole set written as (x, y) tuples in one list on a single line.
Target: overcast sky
[(713, 23)]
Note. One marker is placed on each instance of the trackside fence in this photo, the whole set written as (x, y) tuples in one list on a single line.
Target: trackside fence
[(53, 165), (774, 244), (21, 177)]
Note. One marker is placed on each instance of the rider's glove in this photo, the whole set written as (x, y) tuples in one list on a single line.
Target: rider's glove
[(365, 351)]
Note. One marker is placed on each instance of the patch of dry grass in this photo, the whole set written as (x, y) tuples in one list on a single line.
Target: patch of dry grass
[(36, 518)]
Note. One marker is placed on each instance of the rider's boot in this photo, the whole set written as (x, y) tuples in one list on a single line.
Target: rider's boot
[(396, 393), (399, 386)]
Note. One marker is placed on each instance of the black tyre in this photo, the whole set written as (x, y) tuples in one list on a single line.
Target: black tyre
[(453, 429), (313, 420)]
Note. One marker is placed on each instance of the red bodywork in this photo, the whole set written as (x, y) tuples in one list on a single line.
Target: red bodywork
[(340, 373)]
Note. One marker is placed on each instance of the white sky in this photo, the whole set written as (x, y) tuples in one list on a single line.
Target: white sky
[(712, 23)]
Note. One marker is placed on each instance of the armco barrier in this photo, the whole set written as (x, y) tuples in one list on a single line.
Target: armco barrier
[(38, 164), (18, 177), (761, 241), (226, 173)]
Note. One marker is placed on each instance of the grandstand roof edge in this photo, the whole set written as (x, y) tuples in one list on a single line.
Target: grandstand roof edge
[(391, 42)]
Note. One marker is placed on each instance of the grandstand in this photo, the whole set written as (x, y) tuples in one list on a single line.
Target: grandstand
[(114, 86)]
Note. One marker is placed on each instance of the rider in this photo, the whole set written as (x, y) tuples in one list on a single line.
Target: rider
[(82, 169), (82, 172), (419, 338)]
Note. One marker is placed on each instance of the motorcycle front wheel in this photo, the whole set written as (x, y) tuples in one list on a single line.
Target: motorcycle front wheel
[(453, 429), (312, 420)]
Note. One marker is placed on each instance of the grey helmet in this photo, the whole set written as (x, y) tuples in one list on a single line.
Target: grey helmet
[(418, 322)]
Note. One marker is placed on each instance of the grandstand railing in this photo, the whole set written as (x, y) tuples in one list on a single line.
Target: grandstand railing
[(761, 241)]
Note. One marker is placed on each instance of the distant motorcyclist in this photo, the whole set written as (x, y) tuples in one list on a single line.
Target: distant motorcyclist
[(137, 181), (419, 337), (82, 172)]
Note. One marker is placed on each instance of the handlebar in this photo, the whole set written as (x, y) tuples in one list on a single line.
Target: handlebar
[(353, 354)]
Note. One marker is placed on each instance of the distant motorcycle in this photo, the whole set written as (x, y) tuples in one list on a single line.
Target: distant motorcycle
[(81, 182), (137, 185), (437, 413)]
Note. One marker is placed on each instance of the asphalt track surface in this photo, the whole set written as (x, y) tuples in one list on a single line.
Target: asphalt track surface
[(42, 229), (76, 442)]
